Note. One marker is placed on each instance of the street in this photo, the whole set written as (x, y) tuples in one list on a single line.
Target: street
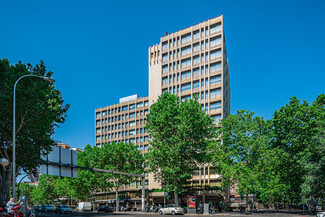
[(142, 214)]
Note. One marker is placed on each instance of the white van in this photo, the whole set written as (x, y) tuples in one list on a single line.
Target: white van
[(84, 206)]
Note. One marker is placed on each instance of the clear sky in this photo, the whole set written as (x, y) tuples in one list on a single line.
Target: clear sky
[(98, 50)]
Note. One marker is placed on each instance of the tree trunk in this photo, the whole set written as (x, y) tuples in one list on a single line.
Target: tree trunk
[(116, 199), (246, 209), (176, 198), (4, 186)]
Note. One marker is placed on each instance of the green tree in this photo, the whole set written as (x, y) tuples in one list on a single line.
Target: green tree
[(238, 152), (294, 129), (39, 109), (314, 164), (121, 157), (45, 192), (26, 190), (90, 182), (179, 135)]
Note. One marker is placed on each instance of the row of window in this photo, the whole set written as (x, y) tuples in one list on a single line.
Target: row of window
[(121, 134), (188, 37), (211, 172), (196, 84), (198, 60), (124, 108), (188, 50), (122, 117)]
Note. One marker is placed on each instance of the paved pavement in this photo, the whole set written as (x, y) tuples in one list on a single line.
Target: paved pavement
[(262, 213)]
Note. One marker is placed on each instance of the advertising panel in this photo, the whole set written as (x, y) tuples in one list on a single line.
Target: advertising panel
[(191, 202)]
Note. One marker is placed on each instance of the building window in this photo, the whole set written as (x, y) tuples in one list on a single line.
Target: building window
[(186, 50), (214, 106), (186, 75), (146, 138), (140, 104), (196, 84), (215, 41), (215, 54), (132, 132), (165, 80), (186, 98), (186, 87), (132, 140), (215, 80), (98, 138), (98, 114), (216, 118), (146, 111), (196, 35), (132, 123), (216, 28), (104, 112), (215, 67), (132, 106), (98, 130), (165, 45), (215, 93), (146, 103), (125, 108), (146, 147), (196, 47), (98, 122), (186, 38), (165, 69), (196, 72), (165, 57), (196, 60), (186, 63)]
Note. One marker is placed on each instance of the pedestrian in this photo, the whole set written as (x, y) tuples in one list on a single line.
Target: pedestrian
[(11, 203)]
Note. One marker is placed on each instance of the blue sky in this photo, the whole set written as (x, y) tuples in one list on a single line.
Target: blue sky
[(98, 50)]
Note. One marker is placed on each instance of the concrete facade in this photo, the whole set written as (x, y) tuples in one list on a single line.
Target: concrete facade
[(189, 62)]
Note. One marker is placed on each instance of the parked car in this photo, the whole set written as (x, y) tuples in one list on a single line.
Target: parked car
[(61, 209), (47, 208), (37, 208), (171, 209), (321, 214), (105, 209)]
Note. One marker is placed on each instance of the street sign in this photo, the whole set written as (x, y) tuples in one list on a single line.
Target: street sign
[(60, 162)]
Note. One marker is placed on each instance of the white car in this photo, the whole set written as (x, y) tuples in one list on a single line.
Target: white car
[(171, 209), (321, 214)]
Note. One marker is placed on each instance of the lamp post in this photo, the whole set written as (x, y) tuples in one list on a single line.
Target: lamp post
[(14, 131)]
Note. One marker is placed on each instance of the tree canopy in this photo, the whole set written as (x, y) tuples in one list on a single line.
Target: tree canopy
[(39, 109), (179, 135)]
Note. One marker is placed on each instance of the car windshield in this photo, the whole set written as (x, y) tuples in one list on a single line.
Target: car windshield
[(65, 206)]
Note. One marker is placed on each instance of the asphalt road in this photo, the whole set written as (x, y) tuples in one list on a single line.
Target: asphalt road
[(141, 214)]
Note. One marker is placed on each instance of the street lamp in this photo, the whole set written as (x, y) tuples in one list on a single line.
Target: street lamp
[(48, 79)]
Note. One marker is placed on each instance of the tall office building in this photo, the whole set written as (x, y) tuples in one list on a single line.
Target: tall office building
[(189, 62)]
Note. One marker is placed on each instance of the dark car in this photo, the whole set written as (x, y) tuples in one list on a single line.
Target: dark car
[(47, 208), (63, 209), (105, 209), (37, 208)]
